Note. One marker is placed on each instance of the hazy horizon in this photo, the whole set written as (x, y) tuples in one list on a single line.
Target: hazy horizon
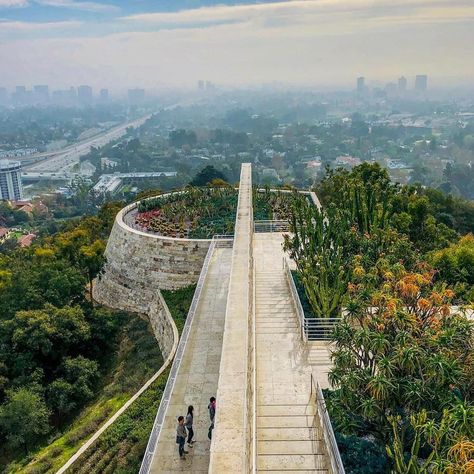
[(317, 43)]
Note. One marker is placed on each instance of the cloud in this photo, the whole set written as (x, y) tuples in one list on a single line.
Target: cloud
[(278, 13), (79, 5), (26, 26), (13, 3), (325, 42)]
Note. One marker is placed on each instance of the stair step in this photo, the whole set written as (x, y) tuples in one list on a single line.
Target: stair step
[(289, 421), (291, 462), (271, 434), (296, 471), (283, 410), (290, 447)]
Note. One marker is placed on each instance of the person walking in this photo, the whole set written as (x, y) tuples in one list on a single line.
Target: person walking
[(212, 414), (181, 437), (189, 425)]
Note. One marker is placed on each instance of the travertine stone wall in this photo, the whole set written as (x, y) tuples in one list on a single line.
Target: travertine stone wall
[(137, 259), (150, 303), (139, 265)]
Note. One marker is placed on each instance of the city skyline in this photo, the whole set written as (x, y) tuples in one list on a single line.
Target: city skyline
[(322, 43)]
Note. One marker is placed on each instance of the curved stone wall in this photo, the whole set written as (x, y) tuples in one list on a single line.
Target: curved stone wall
[(145, 262)]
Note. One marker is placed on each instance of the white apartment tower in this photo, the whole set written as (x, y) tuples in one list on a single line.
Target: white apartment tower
[(11, 188)]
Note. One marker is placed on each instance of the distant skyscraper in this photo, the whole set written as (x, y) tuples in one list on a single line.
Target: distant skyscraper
[(84, 94), (136, 96), (421, 83), (11, 188), (104, 95), (402, 84), (19, 96), (361, 85), (201, 85), (210, 86), (41, 93)]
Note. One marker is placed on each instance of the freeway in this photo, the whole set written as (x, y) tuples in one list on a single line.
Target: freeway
[(63, 160)]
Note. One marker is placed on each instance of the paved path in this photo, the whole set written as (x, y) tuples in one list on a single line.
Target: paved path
[(288, 435), (198, 374)]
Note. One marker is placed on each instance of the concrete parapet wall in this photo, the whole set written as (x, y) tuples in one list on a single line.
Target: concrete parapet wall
[(231, 441)]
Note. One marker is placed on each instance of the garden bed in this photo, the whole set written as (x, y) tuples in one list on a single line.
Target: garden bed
[(200, 213)]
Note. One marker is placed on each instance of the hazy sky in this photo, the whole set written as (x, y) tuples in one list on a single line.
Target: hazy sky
[(153, 43)]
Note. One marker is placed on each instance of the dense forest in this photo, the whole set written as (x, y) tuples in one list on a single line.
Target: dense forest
[(55, 345)]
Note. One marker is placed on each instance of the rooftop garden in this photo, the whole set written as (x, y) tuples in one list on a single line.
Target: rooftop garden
[(200, 213)]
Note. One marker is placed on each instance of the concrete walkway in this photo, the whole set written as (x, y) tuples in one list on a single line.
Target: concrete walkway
[(198, 374), (289, 438)]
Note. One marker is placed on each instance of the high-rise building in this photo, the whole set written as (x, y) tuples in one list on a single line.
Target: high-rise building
[(19, 96), (11, 188), (41, 93), (136, 96), (104, 95), (421, 83), (201, 85), (361, 85), (64, 97), (402, 84), (84, 94)]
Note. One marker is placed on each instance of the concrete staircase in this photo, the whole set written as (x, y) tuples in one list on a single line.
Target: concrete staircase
[(289, 438)]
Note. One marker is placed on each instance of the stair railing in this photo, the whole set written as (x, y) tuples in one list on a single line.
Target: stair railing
[(332, 449)]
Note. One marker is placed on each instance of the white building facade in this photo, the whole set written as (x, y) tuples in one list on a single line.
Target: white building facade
[(11, 188)]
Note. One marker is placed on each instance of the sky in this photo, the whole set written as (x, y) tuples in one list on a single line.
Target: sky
[(173, 43)]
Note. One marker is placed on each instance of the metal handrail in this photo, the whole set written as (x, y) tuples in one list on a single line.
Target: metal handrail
[(166, 397), (312, 329), (332, 449), (271, 226), (223, 240)]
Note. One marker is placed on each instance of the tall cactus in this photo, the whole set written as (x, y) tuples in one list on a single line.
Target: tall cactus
[(316, 245)]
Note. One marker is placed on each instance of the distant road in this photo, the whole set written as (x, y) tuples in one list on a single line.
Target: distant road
[(63, 160)]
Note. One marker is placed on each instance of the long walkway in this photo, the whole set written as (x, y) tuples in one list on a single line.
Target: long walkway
[(289, 438), (198, 374)]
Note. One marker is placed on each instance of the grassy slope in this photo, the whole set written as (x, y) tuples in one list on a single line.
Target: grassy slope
[(136, 358), (120, 449)]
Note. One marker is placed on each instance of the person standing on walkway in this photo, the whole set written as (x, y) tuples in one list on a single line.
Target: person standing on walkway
[(212, 414), (212, 409), (181, 437), (189, 425)]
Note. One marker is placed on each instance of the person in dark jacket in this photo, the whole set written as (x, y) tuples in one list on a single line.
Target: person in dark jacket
[(189, 425), (181, 437), (212, 409), (212, 414)]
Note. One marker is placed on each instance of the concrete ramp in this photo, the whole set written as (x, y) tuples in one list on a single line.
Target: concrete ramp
[(198, 373)]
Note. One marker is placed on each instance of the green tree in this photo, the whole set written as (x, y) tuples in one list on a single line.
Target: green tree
[(398, 351), (75, 386), (206, 176), (50, 332), (23, 418), (455, 266), (92, 259)]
